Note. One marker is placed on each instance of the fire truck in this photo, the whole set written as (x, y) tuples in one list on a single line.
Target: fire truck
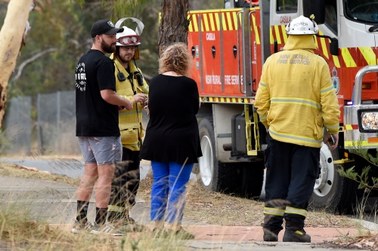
[(229, 47)]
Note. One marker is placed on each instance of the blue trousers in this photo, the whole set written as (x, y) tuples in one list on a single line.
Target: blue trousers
[(168, 191)]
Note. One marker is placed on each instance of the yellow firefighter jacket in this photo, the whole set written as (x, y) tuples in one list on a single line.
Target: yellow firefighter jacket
[(130, 121), (296, 99)]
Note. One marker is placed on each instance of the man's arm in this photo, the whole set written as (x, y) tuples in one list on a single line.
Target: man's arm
[(262, 103), (113, 98)]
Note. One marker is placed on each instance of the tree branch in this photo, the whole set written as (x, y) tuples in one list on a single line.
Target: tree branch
[(30, 60)]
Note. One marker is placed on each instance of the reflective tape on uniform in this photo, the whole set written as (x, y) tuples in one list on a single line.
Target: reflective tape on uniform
[(298, 211), (274, 211)]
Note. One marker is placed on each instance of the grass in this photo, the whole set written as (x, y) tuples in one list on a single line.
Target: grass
[(19, 231)]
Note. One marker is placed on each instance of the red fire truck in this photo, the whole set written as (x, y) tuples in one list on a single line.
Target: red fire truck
[(229, 47)]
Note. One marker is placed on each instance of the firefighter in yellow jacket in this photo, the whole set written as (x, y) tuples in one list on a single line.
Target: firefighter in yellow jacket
[(297, 103), (131, 84)]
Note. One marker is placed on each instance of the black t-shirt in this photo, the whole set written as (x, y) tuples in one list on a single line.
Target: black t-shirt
[(94, 116), (172, 131)]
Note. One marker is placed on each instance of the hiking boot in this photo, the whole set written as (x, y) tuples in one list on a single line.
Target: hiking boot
[(269, 235), (296, 236), (80, 227), (129, 220), (107, 228)]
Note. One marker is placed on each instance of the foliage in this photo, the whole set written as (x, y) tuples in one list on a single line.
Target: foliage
[(64, 27), (363, 177)]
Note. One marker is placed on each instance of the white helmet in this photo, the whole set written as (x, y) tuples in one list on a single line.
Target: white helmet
[(302, 26), (127, 37)]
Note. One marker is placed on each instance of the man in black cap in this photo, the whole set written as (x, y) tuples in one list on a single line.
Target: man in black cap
[(97, 105)]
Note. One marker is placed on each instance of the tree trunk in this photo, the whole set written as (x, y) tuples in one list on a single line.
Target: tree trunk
[(10, 43), (174, 23)]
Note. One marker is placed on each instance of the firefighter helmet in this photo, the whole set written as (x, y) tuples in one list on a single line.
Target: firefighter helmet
[(128, 37), (302, 26)]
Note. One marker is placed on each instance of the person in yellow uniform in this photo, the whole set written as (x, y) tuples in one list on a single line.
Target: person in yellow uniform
[(296, 102), (130, 84)]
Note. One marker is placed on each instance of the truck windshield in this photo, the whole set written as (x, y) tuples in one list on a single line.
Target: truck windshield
[(364, 11)]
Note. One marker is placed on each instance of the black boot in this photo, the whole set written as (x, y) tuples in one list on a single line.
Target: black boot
[(296, 236), (271, 227), (270, 235), (294, 231)]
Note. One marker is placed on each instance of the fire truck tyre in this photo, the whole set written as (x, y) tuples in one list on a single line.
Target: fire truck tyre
[(248, 179), (332, 192), (211, 172), (252, 179)]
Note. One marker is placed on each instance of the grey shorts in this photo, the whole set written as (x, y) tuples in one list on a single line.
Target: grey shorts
[(101, 150)]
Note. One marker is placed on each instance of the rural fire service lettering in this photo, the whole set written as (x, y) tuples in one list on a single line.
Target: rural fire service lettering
[(216, 79)]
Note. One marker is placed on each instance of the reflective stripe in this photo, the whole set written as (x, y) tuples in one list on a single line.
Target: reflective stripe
[(332, 127), (115, 208), (348, 58), (296, 101), (293, 210), (330, 88), (369, 55), (283, 136), (262, 84), (274, 211)]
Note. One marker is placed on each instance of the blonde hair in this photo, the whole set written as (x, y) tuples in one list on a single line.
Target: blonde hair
[(175, 58)]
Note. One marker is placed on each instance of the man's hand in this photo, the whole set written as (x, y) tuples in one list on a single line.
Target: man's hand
[(141, 98), (332, 140)]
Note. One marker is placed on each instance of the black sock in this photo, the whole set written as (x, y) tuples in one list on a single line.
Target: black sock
[(82, 209), (101, 215)]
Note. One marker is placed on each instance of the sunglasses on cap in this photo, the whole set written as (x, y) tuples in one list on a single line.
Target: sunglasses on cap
[(129, 40)]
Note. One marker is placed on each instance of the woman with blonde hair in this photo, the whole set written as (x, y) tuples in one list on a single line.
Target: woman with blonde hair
[(172, 138)]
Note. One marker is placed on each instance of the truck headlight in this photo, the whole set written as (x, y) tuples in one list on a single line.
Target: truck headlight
[(368, 120)]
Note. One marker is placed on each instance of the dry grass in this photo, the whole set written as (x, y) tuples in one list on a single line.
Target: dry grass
[(19, 232), (20, 171), (235, 211), (202, 207)]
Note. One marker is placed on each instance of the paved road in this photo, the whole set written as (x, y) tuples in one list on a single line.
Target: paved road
[(70, 167)]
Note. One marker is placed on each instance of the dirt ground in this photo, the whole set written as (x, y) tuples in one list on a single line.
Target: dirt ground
[(213, 208), (207, 207)]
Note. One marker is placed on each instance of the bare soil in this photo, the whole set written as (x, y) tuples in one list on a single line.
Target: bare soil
[(207, 207)]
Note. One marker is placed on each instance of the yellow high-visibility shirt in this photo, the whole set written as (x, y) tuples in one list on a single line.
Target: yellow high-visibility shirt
[(296, 99), (130, 121)]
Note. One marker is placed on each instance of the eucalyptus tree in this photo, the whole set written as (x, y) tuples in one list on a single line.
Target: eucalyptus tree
[(57, 38), (11, 37)]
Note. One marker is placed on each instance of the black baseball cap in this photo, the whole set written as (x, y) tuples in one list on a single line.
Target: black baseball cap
[(104, 26)]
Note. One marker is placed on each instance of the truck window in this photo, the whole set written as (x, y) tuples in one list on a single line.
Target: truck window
[(331, 15), (287, 6), (363, 11)]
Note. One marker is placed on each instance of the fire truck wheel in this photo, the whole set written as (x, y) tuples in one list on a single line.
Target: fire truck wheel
[(249, 179), (211, 172), (332, 192)]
